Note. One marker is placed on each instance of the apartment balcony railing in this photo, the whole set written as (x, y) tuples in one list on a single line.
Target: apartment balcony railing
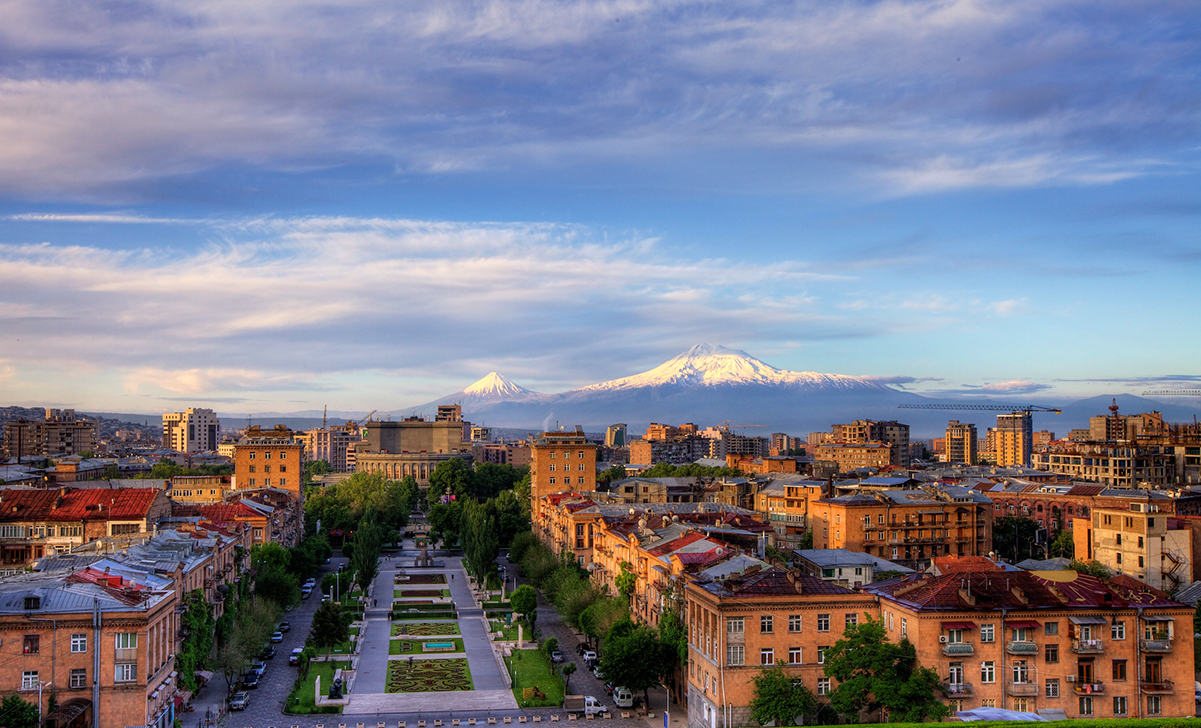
[(1087, 647), (1021, 648), (959, 649), (1022, 690), (1160, 645), (957, 688), (1162, 687), (1088, 688)]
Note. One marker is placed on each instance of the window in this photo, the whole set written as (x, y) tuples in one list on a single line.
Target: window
[(1053, 688), (125, 672), (283, 468), (823, 623), (880, 519), (1117, 631), (1021, 671), (1051, 628), (282, 455), (252, 455), (552, 467), (581, 480), (252, 482), (858, 571), (252, 468), (266, 468), (735, 626), (735, 655), (794, 655), (988, 672), (1021, 705), (1154, 704), (852, 619), (821, 655), (267, 455), (955, 635), (266, 481), (765, 624), (1140, 562), (79, 642), (794, 623), (767, 656), (1119, 669), (79, 678), (904, 627), (552, 455), (581, 467), (1118, 557), (1119, 705), (1140, 542), (1052, 654), (30, 644), (29, 680), (552, 480), (823, 686), (987, 633), (1086, 705), (127, 640), (989, 703)]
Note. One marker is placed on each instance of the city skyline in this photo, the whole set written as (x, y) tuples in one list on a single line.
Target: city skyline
[(272, 209)]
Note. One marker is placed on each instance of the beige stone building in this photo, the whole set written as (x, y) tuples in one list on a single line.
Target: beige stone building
[(412, 446), (193, 430), (1142, 541)]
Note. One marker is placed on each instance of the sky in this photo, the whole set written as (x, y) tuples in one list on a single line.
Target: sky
[(273, 206)]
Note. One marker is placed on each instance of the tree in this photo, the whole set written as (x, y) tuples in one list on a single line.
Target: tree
[(611, 475), (633, 657), (450, 477), (568, 668), (806, 541), (598, 619), (873, 673), (331, 625), (780, 698), (17, 713), (198, 625), (1063, 545), (318, 467), (1092, 568), (1013, 536), (525, 602), (364, 562), (626, 580), (480, 541)]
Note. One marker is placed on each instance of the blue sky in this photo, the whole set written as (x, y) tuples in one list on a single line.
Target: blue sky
[(272, 206)]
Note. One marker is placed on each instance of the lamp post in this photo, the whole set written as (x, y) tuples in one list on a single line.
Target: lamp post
[(40, 686)]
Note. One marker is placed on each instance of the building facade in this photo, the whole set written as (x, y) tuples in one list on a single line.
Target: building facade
[(960, 443), (193, 430), (269, 459), (411, 447), (560, 461)]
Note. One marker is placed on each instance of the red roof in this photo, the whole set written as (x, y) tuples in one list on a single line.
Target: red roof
[(77, 504), (676, 544), (957, 564), (226, 512), (117, 586)]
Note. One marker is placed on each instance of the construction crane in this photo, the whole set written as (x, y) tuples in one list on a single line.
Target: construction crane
[(359, 422), (1027, 408), (741, 425), (1172, 393)]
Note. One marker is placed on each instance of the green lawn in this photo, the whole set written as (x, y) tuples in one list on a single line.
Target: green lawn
[(424, 629), (305, 690), (498, 625), (400, 593), (531, 668), (397, 646)]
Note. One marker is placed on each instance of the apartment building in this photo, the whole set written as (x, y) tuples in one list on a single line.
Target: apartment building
[(269, 459), (851, 569), (200, 488), (505, 453), (1141, 541), (61, 433), (744, 614), (331, 445), (784, 504), (560, 461), (909, 527), (890, 432), (615, 435), (960, 443), (101, 646), (1061, 644), (1117, 465), (1013, 439), (193, 430), (849, 456)]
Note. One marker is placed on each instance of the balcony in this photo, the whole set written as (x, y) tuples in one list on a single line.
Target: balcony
[(1088, 688), (959, 649), (957, 689), (1087, 647), (1022, 690), (1157, 645), (1163, 687), (1021, 648)]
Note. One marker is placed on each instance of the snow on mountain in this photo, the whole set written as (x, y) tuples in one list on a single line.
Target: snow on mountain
[(706, 365), (495, 386)]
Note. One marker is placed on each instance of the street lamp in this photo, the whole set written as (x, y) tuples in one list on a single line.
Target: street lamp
[(40, 686)]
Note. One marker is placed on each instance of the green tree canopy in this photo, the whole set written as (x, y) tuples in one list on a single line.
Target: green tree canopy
[(481, 543), (780, 698), (633, 657), (318, 467), (453, 477), (331, 625), (17, 713), (1092, 568), (1013, 537), (873, 673), (1063, 545), (626, 580), (525, 602)]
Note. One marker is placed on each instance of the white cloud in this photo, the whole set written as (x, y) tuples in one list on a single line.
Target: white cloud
[(1014, 386)]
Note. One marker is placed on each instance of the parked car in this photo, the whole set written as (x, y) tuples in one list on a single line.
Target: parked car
[(284, 627), (623, 697), (306, 593), (277, 637), (310, 582), (556, 656), (294, 658), (596, 671), (589, 656), (267, 653), (250, 681), (239, 701), (258, 668)]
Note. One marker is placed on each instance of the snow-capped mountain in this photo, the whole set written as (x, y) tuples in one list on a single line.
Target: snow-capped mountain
[(706, 365), (496, 387)]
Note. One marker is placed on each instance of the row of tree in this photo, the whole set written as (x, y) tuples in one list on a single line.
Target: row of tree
[(486, 480), (340, 507)]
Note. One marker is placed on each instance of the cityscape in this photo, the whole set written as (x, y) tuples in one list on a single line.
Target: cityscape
[(637, 362)]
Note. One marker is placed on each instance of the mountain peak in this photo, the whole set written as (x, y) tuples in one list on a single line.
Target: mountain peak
[(495, 385)]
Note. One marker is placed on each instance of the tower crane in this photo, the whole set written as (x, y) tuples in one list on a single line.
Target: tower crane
[(1016, 409), (1172, 393), (359, 422)]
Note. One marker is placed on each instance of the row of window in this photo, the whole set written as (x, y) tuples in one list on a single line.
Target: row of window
[(736, 655), (567, 456), (267, 454), (11, 531), (737, 625), (31, 644), (284, 468), (1021, 673), (122, 672), (267, 482), (566, 468), (566, 480), (1117, 631), (1085, 704)]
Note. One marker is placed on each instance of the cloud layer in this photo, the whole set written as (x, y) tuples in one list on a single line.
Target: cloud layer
[(910, 97)]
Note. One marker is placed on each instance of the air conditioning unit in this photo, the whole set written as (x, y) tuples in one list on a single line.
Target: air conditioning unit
[(1069, 678), (942, 639)]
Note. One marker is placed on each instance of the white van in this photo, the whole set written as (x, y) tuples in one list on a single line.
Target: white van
[(623, 697)]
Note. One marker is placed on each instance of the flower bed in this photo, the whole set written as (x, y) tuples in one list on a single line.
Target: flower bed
[(426, 579), (417, 593), (424, 629), (428, 676)]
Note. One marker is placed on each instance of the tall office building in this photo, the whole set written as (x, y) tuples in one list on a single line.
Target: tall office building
[(615, 435), (1014, 439), (960, 445), (193, 430)]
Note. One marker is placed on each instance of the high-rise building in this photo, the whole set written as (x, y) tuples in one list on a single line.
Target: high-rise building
[(961, 442), (61, 433), (269, 459), (1014, 439), (615, 435), (560, 461), (890, 432), (193, 430)]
